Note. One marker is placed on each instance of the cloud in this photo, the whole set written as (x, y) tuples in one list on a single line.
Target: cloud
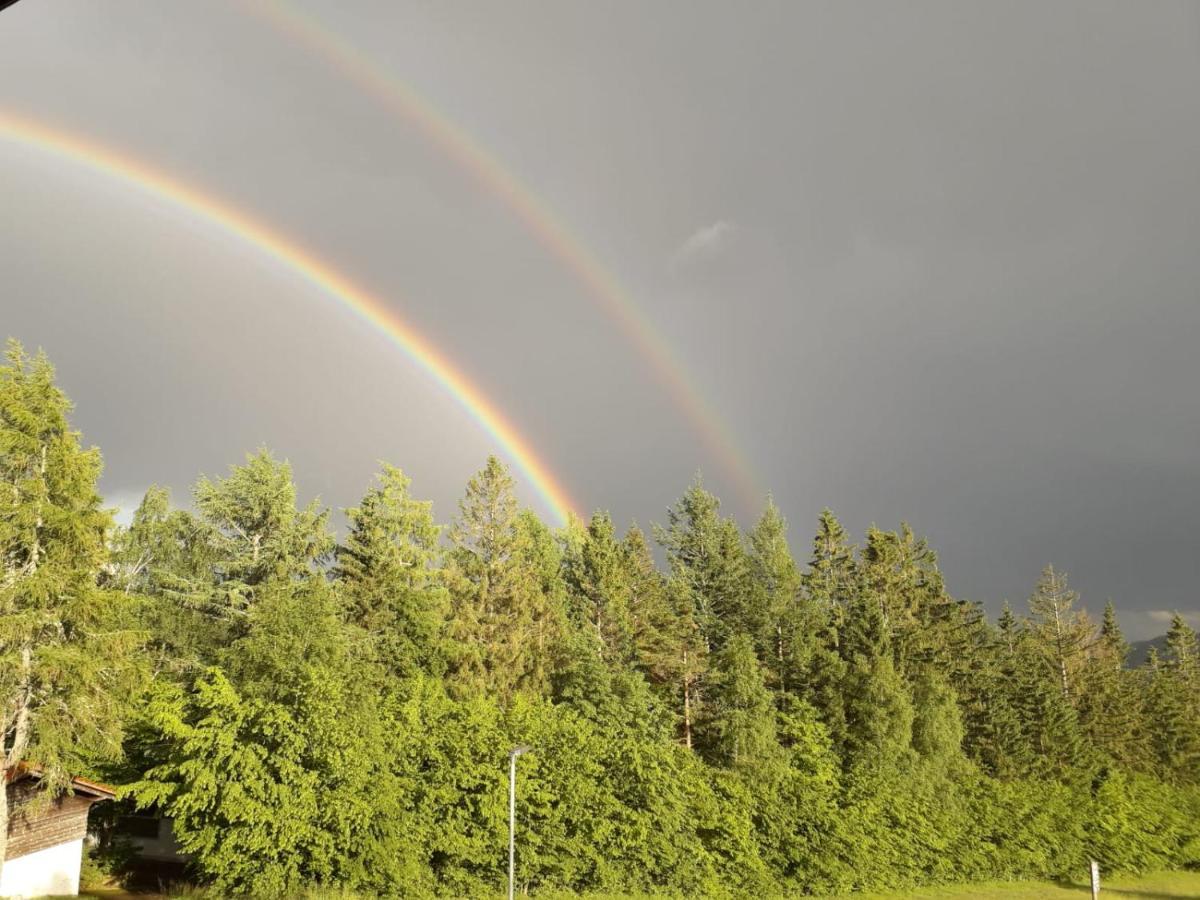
[(703, 242), (1164, 616), (125, 502)]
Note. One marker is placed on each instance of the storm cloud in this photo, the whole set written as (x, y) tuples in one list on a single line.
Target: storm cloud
[(930, 261)]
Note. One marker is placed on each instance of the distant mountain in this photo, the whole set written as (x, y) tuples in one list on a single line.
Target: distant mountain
[(1139, 651)]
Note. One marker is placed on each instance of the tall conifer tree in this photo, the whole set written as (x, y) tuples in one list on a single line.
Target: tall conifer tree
[(67, 646)]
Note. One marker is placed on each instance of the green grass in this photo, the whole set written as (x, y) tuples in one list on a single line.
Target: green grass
[(1159, 886)]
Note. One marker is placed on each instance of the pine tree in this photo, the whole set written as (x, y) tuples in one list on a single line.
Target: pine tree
[(674, 655), (925, 625), (163, 560), (831, 584), (1049, 721), (1058, 630), (598, 578), (1173, 722), (878, 708), (276, 767), (832, 574), (649, 609), (390, 576), (1110, 706), (1182, 652), (255, 535), (67, 646), (739, 721), (1008, 627), (1112, 640), (506, 589), (776, 616), (706, 551)]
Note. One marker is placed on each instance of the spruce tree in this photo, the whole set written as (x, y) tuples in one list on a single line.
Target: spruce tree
[(506, 592), (1183, 654), (390, 577), (1058, 631), (163, 561), (1110, 706), (705, 550), (831, 584), (252, 531), (781, 630), (739, 720), (68, 659), (598, 577), (878, 708)]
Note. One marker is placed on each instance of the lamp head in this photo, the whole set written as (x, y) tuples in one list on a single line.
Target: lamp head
[(517, 751)]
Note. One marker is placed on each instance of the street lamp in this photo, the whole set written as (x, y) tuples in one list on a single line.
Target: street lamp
[(512, 814)]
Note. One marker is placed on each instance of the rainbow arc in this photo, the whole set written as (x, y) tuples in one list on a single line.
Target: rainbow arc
[(290, 255), (547, 228)]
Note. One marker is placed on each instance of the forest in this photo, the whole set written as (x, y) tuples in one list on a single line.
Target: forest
[(710, 712)]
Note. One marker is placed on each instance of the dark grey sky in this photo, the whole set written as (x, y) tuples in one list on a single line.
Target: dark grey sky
[(933, 261)]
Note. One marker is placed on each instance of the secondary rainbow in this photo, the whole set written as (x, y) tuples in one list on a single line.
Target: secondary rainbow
[(290, 255), (459, 147)]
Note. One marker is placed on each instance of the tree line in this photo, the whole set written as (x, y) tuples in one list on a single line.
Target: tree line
[(310, 710)]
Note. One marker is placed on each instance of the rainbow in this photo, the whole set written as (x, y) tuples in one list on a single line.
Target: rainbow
[(459, 147), (291, 256)]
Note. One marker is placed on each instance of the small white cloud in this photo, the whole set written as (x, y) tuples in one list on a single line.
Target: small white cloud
[(1164, 616), (703, 242), (125, 502)]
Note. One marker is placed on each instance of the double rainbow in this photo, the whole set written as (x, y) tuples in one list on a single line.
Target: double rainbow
[(302, 262), (459, 147)]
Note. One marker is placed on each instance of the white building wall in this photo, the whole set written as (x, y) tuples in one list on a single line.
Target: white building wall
[(54, 870)]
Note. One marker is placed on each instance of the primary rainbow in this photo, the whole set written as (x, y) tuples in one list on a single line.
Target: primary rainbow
[(551, 232), (300, 261)]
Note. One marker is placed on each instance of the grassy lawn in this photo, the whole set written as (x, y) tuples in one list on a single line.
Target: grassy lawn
[(1160, 886)]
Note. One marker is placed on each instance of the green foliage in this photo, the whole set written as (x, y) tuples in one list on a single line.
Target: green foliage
[(329, 720), (391, 580), (68, 660), (507, 614)]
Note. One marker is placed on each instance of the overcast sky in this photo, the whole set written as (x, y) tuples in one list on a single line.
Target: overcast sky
[(928, 261)]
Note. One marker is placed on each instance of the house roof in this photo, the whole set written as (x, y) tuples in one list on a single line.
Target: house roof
[(93, 789)]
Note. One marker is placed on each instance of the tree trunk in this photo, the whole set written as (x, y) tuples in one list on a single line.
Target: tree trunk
[(10, 757), (779, 649), (1058, 642), (687, 704), (3, 817)]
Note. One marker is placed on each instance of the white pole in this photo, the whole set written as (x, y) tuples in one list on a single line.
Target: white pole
[(512, 822), (512, 817)]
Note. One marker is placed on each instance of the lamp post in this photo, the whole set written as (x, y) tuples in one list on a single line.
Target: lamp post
[(512, 815)]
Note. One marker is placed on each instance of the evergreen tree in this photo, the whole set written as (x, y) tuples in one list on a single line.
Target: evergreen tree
[(705, 550), (275, 768), (599, 580), (1182, 652), (781, 630), (506, 599), (878, 708), (252, 531), (650, 613), (832, 575), (67, 646), (161, 561), (1113, 647), (389, 572), (1059, 632), (831, 584), (1110, 707), (1173, 723), (739, 724)]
